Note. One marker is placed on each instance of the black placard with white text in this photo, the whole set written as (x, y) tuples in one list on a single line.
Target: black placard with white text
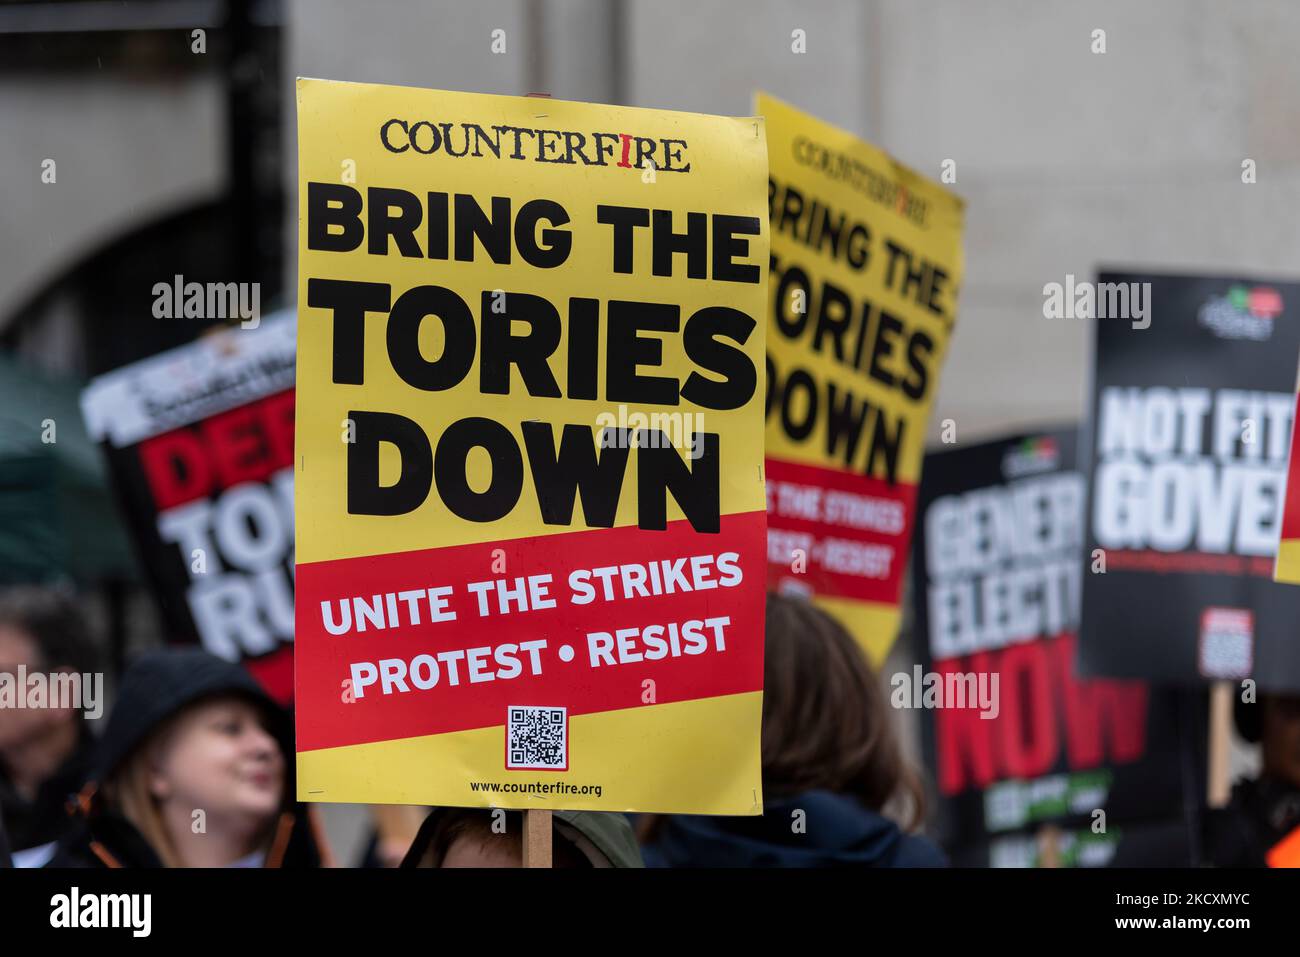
[(1191, 425), (199, 441), (1034, 765)]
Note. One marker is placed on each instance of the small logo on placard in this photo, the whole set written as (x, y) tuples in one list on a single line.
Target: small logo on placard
[(1243, 313), (1227, 642), (1031, 456)]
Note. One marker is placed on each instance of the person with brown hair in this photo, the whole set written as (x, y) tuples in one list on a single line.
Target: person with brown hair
[(195, 769), (831, 763), (455, 837), (44, 752)]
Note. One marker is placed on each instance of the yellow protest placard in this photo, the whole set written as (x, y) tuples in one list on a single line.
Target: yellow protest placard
[(1286, 566), (529, 495), (866, 263)]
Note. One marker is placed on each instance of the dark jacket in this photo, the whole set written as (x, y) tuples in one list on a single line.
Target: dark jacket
[(1260, 814), (605, 839), (157, 686), (833, 831), (4, 846), (47, 819)]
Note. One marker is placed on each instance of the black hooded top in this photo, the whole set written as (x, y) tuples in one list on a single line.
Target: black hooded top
[(838, 831), (157, 686), (40, 823), (1261, 813), (4, 846)]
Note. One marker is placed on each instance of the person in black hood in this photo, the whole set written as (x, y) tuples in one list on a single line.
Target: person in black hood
[(831, 764), (193, 770), (45, 751), (1260, 826)]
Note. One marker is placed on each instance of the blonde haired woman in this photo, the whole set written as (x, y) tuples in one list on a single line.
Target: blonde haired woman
[(193, 771)]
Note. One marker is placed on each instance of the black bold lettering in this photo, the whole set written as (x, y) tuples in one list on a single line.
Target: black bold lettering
[(859, 245), (694, 243), (919, 347), (890, 325), (349, 301), (437, 226), (333, 204), (502, 349), (660, 470), (844, 421), (627, 350), (791, 210), (884, 448), (364, 493), (556, 243), (799, 380), (833, 318), (381, 223), (727, 245), (493, 233), (584, 346), (449, 472), (789, 321), (624, 219), (459, 336), (740, 378), (577, 469)]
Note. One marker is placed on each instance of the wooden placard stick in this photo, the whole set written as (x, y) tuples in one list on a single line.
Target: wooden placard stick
[(537, 838), (1218, 787), (537, 824)]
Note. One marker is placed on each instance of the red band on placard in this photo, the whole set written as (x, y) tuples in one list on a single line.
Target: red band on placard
[(837, 533), (1291, 510), (274, 672), (324, 661), (245, 444)]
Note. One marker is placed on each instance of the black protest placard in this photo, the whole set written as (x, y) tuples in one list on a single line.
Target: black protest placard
[(1049, 768), (199, 441), (1192, 411)]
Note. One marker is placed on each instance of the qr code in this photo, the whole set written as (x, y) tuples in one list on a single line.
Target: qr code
[(537, 738)]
